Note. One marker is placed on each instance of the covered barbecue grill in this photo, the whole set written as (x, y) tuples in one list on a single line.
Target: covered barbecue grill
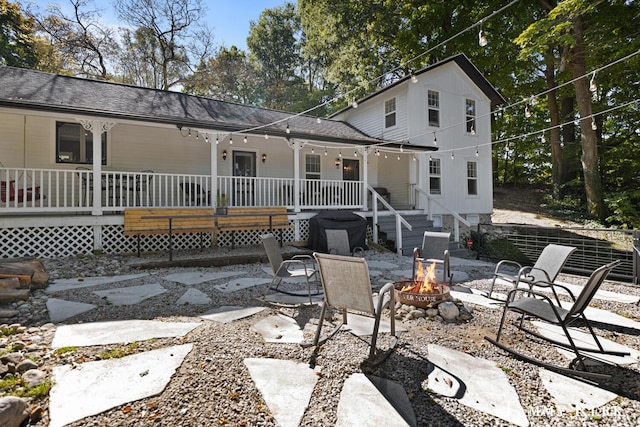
[(354, 224)]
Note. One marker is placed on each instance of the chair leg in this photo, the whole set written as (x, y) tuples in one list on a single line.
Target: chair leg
[(323, 312)]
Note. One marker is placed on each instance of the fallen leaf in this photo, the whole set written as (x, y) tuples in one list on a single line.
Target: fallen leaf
[(126, 409)]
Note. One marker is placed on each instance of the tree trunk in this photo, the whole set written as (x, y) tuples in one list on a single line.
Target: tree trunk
[(554, 138), (589, 158)]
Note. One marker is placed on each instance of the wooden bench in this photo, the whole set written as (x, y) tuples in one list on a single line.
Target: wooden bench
[(138, 221), (253, 218)]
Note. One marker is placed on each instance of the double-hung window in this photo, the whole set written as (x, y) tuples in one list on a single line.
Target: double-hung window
[(312, 166), (433, 108), (435, 184), (390, 113), (472, 178), (74, 144), (470, 112)]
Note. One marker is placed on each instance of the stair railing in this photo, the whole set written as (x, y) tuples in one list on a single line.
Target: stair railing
[(400, 221), (457, 219)]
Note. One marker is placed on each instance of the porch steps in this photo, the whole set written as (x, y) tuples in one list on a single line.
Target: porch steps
[(410, 238)]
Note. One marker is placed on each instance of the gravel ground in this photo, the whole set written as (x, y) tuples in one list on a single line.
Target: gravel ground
[(213, 386)]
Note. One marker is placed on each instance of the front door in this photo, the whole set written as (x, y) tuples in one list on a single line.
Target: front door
[(244, 167)]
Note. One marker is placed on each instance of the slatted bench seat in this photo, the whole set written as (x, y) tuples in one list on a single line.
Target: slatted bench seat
[(253, 218), (138, 221)]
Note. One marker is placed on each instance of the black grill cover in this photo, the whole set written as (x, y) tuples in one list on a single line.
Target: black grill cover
[(355, 225)]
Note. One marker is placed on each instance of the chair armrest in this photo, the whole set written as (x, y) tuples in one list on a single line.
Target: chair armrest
[(305, 259), (388, 288), (291, 262), (506, 262), (552, 286)]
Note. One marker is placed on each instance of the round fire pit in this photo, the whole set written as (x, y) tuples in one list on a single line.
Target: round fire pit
[(421, 299)]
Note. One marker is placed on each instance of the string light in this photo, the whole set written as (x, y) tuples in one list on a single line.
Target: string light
[(453, 156), (313, 151), (189, 134), (325, 151), (593, 86), (594, 126), (340, 154), (377, 152), (402, 148), (477, 152), (197, 135), (385, 156), (398, 156), (543, 139), (482, 38), (266, 136), (355, 153), (217, 140), (288, 130), (527, 113), (230, 139), (244, 139), (414, 78), (414, 157), (206, 137), (473, 131), (435, 139), (318, 120), (354, 104)]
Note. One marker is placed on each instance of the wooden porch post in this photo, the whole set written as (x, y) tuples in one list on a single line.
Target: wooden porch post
[(296, 174)]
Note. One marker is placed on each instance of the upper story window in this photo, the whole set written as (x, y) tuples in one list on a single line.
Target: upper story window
[(312, 166), (74, 144), (470, 112), (472, 178), (390, 113), (433, 108), (435, 184)]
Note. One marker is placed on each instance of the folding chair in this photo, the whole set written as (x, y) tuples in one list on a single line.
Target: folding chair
[(298, 266), (435, 248), (539, 305), (546, 268), (347, 286), (338, 243)]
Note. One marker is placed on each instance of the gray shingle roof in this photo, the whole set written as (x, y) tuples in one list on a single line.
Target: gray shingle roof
[(29, 89)]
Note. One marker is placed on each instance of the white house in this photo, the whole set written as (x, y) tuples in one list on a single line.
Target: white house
[(168, 149)]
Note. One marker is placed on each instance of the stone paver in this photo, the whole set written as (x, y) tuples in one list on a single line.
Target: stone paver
[(121, 331), (476, 383), (93, 387), (279, 329), (569, 394), (60, 309), (194, 296), (85, 282), (197, 277), (241, 283), (131, 294), (286, 387), (229, 313), (362, 404)]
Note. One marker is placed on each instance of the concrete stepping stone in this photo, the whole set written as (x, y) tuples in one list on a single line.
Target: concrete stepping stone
[(583, 339), (197, 277), (85, 282), (194, 296), (287, 299), (300, 279), (120, 331), (286, 387), (603, 316), (90, 388), (362, 326), (242, 283), (363, 403), (475, 296), (570, 395), (475, 382), (229, 313), (279, 329), (131, 294), (60, 309)]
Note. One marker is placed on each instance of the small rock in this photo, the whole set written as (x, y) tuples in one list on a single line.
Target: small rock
[(432, 312), (448, 310), (26, 365), (19, 345), (13, 411), (34, 377), (14, 358), (417, 314)]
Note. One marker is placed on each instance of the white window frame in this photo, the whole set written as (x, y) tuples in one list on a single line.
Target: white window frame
[(390, 113), (435, 106), (311, 174), (470, 112), (472, 177), (435, 174)]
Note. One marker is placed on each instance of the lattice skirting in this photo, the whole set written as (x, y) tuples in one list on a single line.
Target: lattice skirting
[(64, 241)]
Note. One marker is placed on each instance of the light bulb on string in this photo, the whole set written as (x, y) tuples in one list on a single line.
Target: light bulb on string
[(402, 148), (414, 78), (325, 151), (435, 139), (230, 139), (189, 133), (527, 112), (355, 153), (313, 151), (482, 38), (217, 140), (287, 129), (266, 136), (318, 120), (473, 130), (593, 86), (543, 139), (385, 156), (197, 135), (594, 125), (477, 152), (206, 137), (354, 104), (377, 152), (398, 156), (453, 156), (340, 154), (244, 139), (414, 157)]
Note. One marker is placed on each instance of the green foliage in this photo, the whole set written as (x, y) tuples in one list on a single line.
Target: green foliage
[(63, 350), (17, 37), (15, 386), (502, 248), (624, 208), (117, 353)]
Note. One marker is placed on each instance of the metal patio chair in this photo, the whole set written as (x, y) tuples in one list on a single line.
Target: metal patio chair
[(347, 287), (299, 266), (338, 243), (539, 305), (435, 248), (546, 268)]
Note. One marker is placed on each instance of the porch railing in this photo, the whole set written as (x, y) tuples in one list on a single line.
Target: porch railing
[(63, 190)]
